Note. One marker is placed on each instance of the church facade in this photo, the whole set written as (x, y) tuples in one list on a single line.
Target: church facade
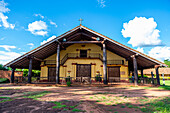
[(83, 54)]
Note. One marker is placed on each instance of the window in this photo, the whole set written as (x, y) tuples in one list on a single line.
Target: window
[(83, 53)]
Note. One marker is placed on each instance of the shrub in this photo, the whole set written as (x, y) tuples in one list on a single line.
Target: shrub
[(4, 80), (98, 78), (68, 83)]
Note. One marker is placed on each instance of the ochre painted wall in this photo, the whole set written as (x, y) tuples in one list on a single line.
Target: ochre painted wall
[(94, 68)]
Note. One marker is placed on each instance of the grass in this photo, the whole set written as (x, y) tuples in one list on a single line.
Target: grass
[(167, 85), (161, 106), (37, 95), (78, 110), (5, 99), (58, 105)]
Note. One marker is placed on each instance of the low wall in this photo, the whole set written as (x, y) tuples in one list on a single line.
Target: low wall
[(7, 74)]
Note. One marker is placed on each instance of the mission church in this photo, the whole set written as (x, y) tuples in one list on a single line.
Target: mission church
[(81, 54)]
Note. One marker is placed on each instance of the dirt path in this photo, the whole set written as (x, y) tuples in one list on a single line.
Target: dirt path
[(34, 99)]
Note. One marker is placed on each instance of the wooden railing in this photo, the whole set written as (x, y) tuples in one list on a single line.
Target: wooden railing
[(89, 56)]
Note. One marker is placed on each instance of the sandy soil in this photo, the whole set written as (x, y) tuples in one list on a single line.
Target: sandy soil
[(85, 99)]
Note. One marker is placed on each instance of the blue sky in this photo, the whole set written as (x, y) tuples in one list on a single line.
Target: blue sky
[(25, 24)]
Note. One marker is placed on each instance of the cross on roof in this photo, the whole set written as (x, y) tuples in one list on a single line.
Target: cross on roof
[(80, 20)]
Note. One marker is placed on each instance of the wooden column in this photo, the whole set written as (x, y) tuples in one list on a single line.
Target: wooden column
[(30, 70), (105, 64), (142, 75), (58, 64), (135, 69), (152, 77), (12, 75), (157, 74)]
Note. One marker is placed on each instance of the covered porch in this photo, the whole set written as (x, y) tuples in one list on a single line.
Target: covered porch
[(83, 35)]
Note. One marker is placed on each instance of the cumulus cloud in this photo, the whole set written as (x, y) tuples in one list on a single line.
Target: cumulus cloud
[(6, 57), (31, 45), (41, 16), (3, 18), (142, 32), (7, 47), (53, 23), (160, 53), (101, 3), (49, 39), (140, 50), (38, 28)]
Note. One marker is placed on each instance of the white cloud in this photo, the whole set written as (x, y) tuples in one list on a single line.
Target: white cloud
[(23, 52), (7, 47), (140, 50), (160, 53), (53, 23), (101, 3), (39, 15), (49, 39), (38, 28), (31, 45), (142, 32), (3, 8), (5, 57), (4, 18)]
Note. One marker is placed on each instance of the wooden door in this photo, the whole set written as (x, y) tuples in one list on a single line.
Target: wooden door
[(52, 74), (83, 72), (114, 73)]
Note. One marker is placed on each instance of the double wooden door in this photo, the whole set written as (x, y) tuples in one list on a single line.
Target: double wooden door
[(52, 74), (114, 73), (83, 72)]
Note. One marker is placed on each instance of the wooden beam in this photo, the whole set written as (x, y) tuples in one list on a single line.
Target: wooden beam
[(58, 64), (81, 42), (105, 64), (38, 59), (12, 75), (157, 74), (30, 70), (89, 36), (73, 36), (135, 69)]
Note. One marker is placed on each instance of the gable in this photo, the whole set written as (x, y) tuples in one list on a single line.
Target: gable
[(83, 33)]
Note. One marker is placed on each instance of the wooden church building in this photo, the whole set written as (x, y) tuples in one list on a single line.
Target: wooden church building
[(82, 52)]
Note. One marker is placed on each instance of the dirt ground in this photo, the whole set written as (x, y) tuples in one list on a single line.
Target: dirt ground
[(36, 99)]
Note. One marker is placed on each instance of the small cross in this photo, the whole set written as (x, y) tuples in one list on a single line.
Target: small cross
[(80, 20)]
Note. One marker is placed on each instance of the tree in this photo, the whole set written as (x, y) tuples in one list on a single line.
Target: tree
[(167, 62), (3, 68), (35, 73)]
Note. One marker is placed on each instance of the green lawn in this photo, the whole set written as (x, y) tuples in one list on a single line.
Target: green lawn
[(167, 85)]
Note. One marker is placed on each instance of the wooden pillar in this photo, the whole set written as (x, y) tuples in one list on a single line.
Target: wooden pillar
[(152, 77), (157, 74), (12, 75), (142, 75), (30, 70), (135, 69), (104, 64), (58, 64)]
